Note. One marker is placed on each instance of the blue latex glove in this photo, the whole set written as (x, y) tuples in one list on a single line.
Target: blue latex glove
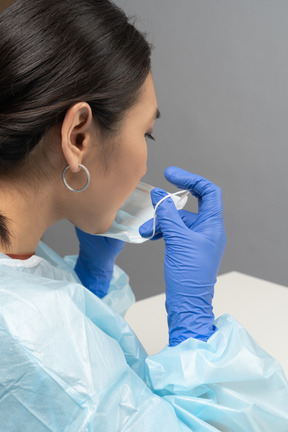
[(95, 262), (195, 245)]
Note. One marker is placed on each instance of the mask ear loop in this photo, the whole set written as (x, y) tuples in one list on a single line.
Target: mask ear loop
[(170, 195)]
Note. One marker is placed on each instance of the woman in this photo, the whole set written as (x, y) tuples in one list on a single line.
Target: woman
[(76, 104)]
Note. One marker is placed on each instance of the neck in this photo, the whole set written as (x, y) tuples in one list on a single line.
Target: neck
[(29, 215)]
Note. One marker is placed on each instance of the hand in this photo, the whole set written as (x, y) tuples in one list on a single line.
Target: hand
[(146, 230), (194, 248), (95, 262)]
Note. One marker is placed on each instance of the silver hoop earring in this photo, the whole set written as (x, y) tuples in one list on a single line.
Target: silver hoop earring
[(69, 187)]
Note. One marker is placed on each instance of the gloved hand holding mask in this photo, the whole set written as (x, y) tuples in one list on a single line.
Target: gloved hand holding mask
[(137, 210), (195, 245), (98, 252)]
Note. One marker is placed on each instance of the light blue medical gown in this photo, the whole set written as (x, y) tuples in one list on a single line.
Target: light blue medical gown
[(69, 363)]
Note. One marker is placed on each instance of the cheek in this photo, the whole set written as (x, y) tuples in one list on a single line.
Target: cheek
[(130, 173), (125, 169), (141, 158), (108, 192), (131, 161)]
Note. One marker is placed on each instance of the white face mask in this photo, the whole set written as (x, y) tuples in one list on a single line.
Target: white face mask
[(137, 210)]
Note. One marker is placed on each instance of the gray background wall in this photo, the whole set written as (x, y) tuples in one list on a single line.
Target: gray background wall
[(220, 71)]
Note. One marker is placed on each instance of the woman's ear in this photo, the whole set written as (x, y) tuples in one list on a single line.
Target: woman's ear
[(75, 133)]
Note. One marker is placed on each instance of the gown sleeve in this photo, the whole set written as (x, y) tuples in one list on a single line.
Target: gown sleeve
[(225, 384), (228, 383), (70, 363)]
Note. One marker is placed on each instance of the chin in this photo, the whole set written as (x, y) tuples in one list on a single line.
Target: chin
[(104, 226)]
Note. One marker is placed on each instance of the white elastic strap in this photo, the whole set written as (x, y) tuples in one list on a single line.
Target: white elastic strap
[(184, 192)]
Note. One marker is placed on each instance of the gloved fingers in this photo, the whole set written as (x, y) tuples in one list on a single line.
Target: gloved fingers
[(92, 243), (188, 217), (167, 214), (146, 230), (114, 244), (209, 195), (86, 241), (81, 234), (157, 237), (156, 195)]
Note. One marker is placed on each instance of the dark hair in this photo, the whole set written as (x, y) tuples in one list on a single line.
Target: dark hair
[(56, 53)]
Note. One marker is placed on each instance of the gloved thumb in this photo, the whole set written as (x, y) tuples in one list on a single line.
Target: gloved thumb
[(147, 230), (166, 211)]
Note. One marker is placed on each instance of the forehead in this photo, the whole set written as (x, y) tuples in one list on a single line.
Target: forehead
[(148, 91)]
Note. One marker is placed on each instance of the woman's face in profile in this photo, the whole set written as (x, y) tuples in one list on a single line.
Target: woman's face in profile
[(126, 165)]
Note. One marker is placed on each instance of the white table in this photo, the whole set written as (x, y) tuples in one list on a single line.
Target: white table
[(260, 306)]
